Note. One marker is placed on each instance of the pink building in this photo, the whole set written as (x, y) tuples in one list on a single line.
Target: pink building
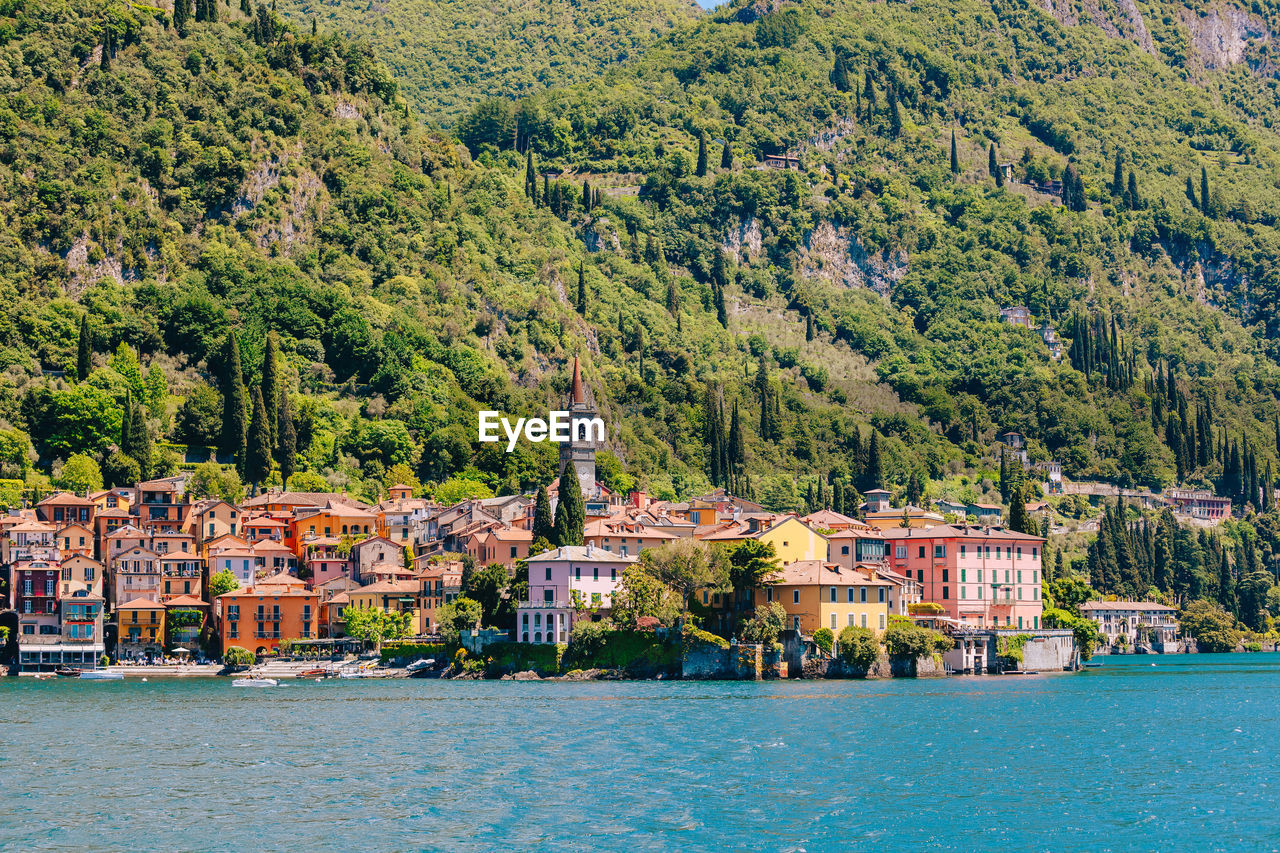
[(581, 575), (982, 576), (325, 560)]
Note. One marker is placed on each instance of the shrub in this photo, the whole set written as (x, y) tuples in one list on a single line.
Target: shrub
[(824, 639), (693, 634), (859, 647), (236, 656), (904, 640)]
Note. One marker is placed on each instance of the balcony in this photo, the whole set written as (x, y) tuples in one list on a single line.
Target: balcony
[(544, 605), (1002, 599)]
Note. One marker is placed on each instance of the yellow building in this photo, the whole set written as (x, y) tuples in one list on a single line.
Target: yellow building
[(391, 597), (817, 594), (791, 538), (140, 629)]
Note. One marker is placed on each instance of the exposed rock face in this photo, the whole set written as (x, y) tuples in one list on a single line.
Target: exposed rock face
[(756, 9), (836, 255), (1221, 34), (1221, 38), (744, 234)]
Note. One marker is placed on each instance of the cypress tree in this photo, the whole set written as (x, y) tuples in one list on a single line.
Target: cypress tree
[(84, 357), (287, 447), (571, 514), (869, 94), (140, 439), (808, 327), (271, 385), (313, 27), (1131, 196), (530, 177), (762, 392), (873, 476), (181, 14), (1191, 191), (586, 197), (126, 423), (582, 289), (257, 463), (992, 168), (1117, 179), (701, 170), (735, 448), (104, 61), (1204, 191), (543, 525), (726, 156), (840, 74), (244, 7), (955, 156), (895, 115), (234, 399), (1019, 520)]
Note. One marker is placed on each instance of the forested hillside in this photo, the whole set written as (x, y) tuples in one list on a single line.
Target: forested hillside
[(209, 192), (450, 54)]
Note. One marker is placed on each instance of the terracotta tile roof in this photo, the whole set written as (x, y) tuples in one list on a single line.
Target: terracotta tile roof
[(395, 587), (185, 601), (822, 573), (1142, 606), (66, 499), (141, 604)]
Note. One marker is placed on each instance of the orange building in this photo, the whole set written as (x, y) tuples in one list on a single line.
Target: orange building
[(258, 619)]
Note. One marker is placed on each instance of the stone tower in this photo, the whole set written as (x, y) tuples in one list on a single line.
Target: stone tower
[(579, 454)]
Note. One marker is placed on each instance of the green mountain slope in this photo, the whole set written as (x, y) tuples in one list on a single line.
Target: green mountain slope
[(777, 331), (450, 54)]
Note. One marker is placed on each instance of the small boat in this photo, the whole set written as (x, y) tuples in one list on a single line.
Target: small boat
[(254, 682), (420, 664), (1091, 665), (67, 672), (319, 672), (100, 675)]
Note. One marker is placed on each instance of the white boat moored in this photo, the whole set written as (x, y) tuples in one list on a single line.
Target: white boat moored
[(99, 675), (254, 682)]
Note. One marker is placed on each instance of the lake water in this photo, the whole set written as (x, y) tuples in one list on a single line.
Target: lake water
[(1183, 755)]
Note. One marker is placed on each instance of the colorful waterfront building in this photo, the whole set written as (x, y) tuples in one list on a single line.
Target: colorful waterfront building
[(139, 629), (818, 594), (277, 608), (564, 582), (981, 576), (791, 538)]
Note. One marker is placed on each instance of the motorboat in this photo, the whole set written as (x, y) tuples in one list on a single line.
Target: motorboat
[(254, 681), (67, 672), (318, 672), (420, 664), (101, 675)]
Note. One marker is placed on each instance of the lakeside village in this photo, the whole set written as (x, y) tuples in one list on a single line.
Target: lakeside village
[(573, 580)]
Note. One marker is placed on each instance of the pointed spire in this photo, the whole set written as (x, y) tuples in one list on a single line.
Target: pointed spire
[(577, 395)]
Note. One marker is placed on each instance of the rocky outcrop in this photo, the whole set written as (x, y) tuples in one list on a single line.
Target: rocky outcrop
[(754, 10), (837, 256), (1223, 36), (1120, 19), (744, 234)]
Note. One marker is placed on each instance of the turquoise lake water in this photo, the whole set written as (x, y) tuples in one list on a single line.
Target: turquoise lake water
[(1183, 755)]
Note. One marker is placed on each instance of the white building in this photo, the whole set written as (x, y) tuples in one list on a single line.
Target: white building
[(1118, 619)]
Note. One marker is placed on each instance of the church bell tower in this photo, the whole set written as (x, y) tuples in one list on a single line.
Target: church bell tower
[(579, 454)]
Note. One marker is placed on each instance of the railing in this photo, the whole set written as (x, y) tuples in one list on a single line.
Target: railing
[(542, 605)]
